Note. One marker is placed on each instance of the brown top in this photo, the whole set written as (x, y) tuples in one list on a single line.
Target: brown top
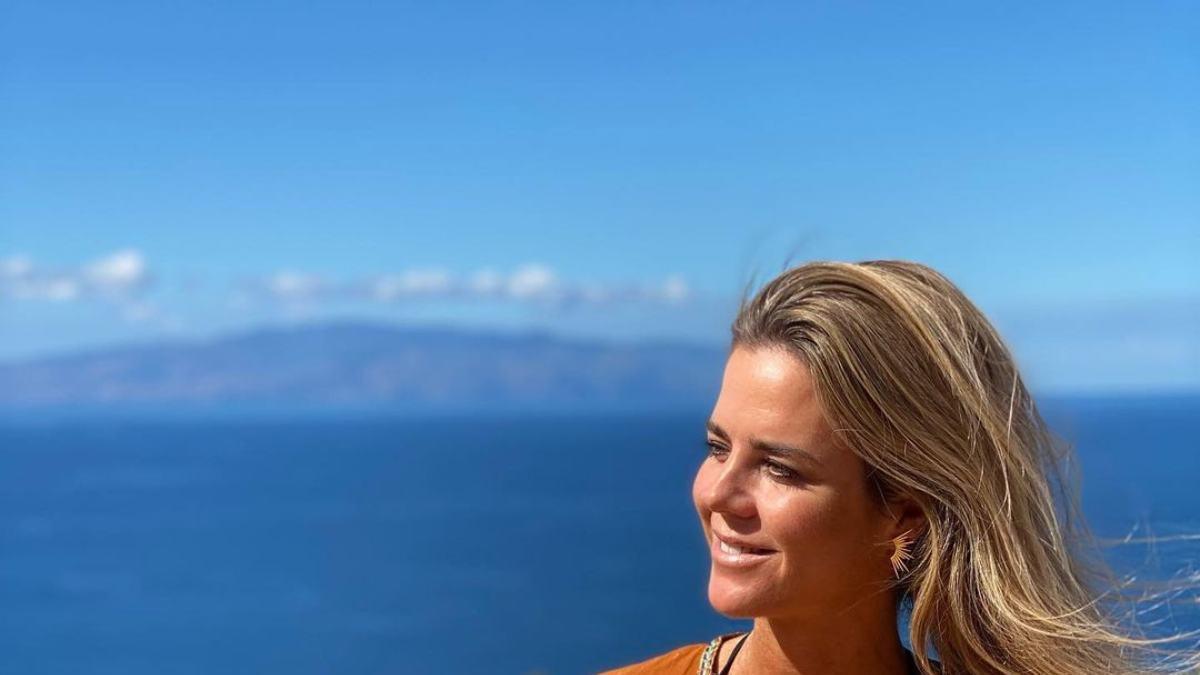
[(686, 660), (698, 659)]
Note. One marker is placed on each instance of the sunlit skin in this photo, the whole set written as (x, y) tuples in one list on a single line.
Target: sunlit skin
[(820, 601)]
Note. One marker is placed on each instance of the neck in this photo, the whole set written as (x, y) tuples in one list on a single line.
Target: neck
[(858, 641)]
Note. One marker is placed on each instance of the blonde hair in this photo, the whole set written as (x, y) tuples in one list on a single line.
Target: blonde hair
[(1004, 578)]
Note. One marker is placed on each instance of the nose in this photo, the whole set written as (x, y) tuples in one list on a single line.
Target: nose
[(728, 489)]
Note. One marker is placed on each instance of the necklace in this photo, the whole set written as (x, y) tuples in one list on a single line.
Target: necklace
[(710, 654), (732, 654)]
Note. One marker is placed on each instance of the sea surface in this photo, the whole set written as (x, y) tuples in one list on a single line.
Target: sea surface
[(485, 544)]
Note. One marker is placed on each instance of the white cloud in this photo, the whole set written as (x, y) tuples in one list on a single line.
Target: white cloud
[(119, 279), (240, 301), (675, 289), (118, 272), (15, 266), (532, 281), (56, 289), (138, 312), (486, 282), (418, 282), (116, 277), (595, 294), (294, 285)]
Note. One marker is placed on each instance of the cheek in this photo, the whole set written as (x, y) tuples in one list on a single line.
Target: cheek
[(815, 529)]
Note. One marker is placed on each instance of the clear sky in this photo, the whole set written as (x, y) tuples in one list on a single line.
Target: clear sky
[(610, 169)]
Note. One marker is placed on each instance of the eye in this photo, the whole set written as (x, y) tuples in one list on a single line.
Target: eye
[(774, 469), (715, 449), (780, 471)]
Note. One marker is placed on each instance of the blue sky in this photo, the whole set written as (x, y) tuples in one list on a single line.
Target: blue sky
[(608, 169)]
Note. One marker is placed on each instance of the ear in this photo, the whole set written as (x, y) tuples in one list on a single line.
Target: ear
[(905, 515)]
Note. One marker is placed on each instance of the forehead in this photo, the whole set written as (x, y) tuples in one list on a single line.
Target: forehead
[(768, 393)]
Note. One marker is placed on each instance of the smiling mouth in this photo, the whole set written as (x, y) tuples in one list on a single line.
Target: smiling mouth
[(732, 557), (735, 550)]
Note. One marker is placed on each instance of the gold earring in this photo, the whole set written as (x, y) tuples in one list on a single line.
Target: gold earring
[(901, 555)]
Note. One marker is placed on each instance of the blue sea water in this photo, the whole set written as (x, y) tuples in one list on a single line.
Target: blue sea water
[(553, 544)]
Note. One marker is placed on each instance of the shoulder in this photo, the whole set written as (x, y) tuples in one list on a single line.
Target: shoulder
[(680, 661)]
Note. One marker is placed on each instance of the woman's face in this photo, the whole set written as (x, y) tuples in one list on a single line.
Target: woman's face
[(777, 481)]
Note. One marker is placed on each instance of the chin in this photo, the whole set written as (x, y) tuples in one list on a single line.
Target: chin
[(729, 600)]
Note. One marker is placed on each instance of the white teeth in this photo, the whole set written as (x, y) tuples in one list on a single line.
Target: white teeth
[(733, 550)]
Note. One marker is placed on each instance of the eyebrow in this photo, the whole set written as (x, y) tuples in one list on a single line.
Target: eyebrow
[(767, 447)]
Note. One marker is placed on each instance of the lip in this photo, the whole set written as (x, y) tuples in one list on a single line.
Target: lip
[(737, 561)]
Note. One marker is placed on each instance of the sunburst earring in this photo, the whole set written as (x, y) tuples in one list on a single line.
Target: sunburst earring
[(901, 555)]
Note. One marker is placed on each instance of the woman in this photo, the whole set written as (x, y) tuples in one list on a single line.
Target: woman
[(873, 443)]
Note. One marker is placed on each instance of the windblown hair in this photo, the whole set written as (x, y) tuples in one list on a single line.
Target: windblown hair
[(1005, 576)]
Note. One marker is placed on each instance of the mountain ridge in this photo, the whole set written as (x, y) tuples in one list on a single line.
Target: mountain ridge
[(358, 363)]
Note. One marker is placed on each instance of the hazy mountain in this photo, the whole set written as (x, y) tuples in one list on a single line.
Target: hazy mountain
[(353, 365)]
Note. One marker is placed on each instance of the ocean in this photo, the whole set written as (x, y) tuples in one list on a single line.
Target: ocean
[(469, 544)]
